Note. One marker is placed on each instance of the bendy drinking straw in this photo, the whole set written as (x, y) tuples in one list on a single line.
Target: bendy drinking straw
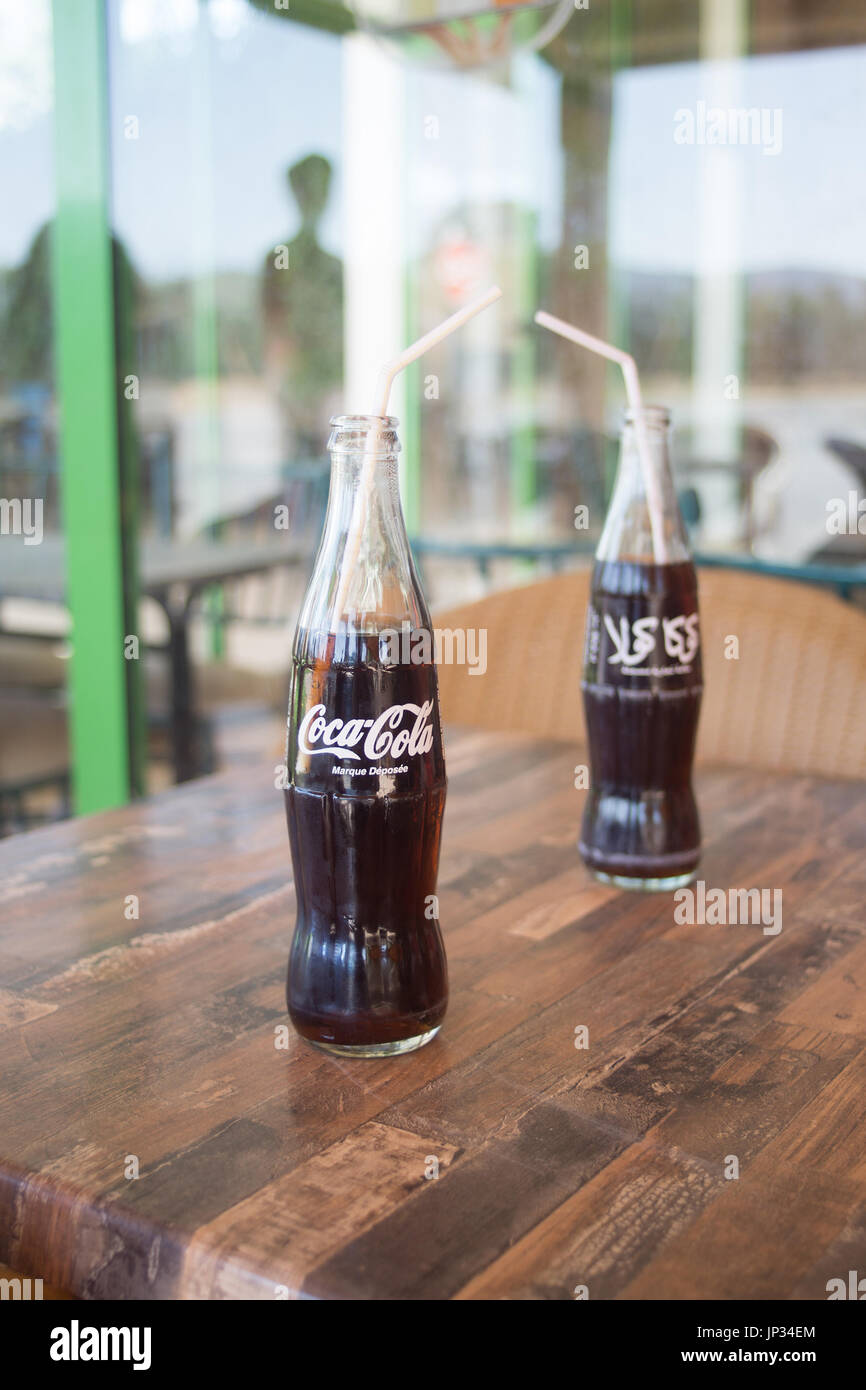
[(383, 392), (652, 482)]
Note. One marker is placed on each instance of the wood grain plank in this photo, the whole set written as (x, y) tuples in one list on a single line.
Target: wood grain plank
[(287, 1227)]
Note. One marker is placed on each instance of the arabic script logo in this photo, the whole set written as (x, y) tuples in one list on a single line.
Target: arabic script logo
[(632, 644)]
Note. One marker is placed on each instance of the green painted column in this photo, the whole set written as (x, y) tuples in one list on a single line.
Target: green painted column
[(524, 483), (86, 385)]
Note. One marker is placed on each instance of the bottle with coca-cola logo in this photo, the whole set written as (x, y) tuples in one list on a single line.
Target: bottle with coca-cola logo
[(642, 682), (366, 782)]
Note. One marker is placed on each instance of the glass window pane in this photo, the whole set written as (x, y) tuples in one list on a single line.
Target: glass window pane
[(34, 756)]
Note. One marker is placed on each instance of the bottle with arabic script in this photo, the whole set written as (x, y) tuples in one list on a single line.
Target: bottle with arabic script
[(365, 792), (642, 684)]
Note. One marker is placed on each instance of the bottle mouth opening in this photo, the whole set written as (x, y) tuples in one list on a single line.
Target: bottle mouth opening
[(656, 416), (345, 422), (351, 433)]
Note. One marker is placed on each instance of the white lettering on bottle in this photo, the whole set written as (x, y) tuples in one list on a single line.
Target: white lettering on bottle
[(681, 637), (641, 630), (632, 643), (382, 737)]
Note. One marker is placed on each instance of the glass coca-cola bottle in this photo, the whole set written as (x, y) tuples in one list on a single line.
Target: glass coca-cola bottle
[(365, 770), (642, 683)]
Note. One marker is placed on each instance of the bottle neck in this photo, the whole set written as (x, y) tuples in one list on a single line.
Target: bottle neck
[(364, 496), (628, 530), (363, 577)]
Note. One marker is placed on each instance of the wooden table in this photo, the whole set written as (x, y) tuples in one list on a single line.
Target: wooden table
[(268, 1170)]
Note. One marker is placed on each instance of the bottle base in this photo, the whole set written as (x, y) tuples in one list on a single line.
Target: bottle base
[(644, 885), (641, 873), (384, 1049)]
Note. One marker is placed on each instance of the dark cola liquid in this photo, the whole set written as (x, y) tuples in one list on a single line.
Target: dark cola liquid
[(642, 693), (364, 810)]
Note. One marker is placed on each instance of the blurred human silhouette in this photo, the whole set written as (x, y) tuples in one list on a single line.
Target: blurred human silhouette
[(302, 294), (28, 446)]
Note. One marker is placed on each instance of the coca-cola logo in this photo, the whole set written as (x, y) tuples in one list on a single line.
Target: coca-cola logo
[(382, 737)]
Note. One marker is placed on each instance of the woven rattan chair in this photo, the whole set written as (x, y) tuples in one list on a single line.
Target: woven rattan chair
[(793, 700)]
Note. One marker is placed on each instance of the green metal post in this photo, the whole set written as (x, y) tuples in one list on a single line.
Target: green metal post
[(523, 470), (86, 383)]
